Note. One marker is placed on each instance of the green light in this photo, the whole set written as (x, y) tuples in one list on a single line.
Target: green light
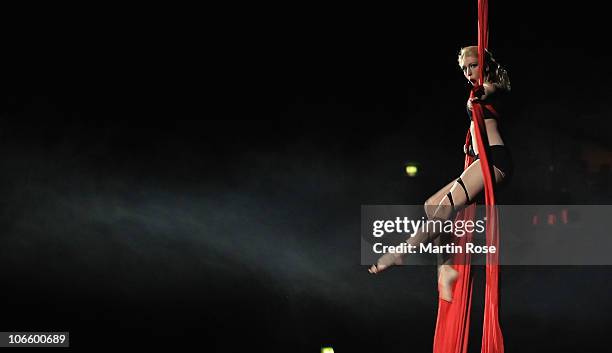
[(327, 350), (412, 170)]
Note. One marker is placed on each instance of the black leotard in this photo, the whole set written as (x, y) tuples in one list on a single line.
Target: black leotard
[(500, 155)]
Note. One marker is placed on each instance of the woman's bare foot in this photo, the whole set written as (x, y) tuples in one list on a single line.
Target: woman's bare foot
[(446, 277), (387, 260)]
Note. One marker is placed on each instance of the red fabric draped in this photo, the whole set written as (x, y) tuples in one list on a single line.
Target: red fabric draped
[(453, 322)]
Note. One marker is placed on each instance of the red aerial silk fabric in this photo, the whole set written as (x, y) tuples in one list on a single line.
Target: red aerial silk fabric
[(453, 322)]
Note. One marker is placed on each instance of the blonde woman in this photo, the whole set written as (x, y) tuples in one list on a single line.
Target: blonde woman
[(463, 190)]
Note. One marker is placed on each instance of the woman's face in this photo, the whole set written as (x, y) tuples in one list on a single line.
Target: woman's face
[(470, 68)]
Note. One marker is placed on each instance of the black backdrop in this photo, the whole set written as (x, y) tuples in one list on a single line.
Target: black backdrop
[(178, 177)]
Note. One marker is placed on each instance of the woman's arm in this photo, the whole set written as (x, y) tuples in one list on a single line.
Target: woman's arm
[(489, 91)]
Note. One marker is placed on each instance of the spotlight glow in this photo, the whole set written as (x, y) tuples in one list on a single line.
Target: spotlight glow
[(412, 169)]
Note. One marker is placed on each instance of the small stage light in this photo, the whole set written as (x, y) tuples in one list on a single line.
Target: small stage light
[(411, 169)]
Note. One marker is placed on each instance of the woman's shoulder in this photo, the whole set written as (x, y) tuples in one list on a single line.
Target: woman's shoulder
[(498, 101), (499, 97)]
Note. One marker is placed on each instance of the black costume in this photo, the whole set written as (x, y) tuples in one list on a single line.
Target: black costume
[(499, 155)]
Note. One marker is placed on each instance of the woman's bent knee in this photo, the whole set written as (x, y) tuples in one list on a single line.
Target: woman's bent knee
[(430, 208)]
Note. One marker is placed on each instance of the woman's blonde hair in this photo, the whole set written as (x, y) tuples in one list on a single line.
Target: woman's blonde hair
[(494, 72)]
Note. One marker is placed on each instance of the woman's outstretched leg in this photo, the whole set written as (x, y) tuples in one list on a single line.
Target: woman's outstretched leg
[(442, 206), (391, 259)]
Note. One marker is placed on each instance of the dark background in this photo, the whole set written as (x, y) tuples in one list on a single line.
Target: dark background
[(176, 177)]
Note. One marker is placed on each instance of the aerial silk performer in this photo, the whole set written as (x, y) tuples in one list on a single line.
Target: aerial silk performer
[(452, 325), (491, 166)]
